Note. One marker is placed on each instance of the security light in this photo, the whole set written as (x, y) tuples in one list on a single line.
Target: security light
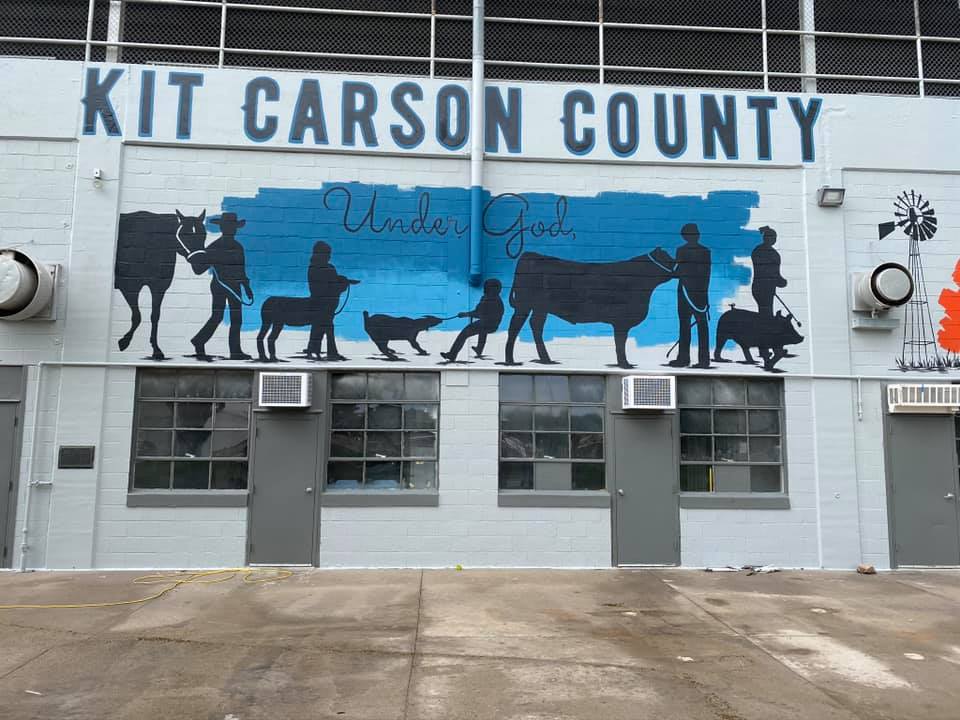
[(830, 196)]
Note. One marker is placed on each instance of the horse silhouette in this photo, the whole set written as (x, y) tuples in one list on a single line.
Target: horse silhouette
[(147, 248)]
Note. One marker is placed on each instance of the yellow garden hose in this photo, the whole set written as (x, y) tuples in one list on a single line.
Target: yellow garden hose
[(173, 581)]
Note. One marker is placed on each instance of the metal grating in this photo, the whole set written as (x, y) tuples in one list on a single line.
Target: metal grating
[(649, 392), (284, 389), (922, 398), (902, 47)]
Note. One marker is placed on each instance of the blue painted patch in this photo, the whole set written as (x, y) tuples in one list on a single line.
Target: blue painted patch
[(413, 259)]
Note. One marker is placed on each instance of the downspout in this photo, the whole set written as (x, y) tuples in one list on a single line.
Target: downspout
[(476, 149)]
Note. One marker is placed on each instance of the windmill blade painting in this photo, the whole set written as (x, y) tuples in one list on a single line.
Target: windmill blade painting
[(917, 218)]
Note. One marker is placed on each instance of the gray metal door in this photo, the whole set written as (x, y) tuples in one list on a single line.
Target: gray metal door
[(8, 456), (645, 496), (922, 462), (282, 527)]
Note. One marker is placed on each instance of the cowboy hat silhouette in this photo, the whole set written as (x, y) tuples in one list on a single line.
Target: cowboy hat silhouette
[(228, 222)]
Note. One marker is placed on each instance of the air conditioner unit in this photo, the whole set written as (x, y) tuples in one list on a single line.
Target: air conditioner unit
[(284, 390), (649, 392), (923, 398)]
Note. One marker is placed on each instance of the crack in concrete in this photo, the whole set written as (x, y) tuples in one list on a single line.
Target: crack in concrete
[(833, 699), (413, 655)]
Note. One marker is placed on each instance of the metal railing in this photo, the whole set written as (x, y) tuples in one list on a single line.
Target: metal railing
[(909, 47)]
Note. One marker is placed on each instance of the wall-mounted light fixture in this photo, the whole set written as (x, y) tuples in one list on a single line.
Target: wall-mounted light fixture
[(830, 196)]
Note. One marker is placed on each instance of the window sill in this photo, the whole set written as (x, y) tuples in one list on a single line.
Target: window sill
[(734, 501), (545, 498), (214, 498), (382, 498)]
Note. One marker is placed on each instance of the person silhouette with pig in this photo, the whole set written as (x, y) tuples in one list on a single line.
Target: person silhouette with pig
[(326, 286), (486, 318)]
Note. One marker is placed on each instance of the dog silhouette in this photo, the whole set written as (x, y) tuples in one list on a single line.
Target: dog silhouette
[(384, 328)]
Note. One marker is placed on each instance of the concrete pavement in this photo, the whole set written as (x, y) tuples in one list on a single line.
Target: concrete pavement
[(497, 644)]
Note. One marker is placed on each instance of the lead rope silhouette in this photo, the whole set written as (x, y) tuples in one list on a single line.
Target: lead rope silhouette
[(216, 275)]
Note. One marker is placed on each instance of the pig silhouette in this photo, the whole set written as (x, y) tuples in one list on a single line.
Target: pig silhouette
[(750, 329)]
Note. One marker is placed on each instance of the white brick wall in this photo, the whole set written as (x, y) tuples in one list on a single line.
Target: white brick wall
[(468, 527)]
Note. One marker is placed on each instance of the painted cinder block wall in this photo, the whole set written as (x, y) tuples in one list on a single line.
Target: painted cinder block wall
[(50, 204)]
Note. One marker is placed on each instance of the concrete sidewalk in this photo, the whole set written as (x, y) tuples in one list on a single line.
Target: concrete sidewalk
[(505, 644)]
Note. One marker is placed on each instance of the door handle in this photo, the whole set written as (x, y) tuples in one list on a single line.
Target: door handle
[(949, 496), (620, 492), (308, 490)]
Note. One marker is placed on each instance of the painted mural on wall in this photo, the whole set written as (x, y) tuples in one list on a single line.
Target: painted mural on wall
[(644, 279), (915, 216)]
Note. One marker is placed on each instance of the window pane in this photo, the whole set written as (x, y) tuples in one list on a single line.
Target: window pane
[(588, 476), (730, 449), (344, 475), (154, 443), (552, 476), (730, 422), (551, 388), (516, 388), (229, 476), (587, 447), (421, 386), (695, 421), (551, 417), (420, 475), (230, 443), (696, 447), (586, 388), (191, 475), (694, 391), (156, 414), (194, 415), (516, 445), (154, 383), (383, 476), (765, 449), (195, 385), (516, 417), (385, 386), (151, 475), (763, 392), (235, 385), (192, 443), (516, 476), (589, 419), (352, 386), (420, 417), (552, 445), (729, 391), (384, 417), (764, 422), (348, 416), (232, 415), (383, 444), (346, 444), (765, 478), (420, 444), (695, 478)]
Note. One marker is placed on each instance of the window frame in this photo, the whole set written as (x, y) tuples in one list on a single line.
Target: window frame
[(749, 499), (189, 497), (399, 496), (532, 497)]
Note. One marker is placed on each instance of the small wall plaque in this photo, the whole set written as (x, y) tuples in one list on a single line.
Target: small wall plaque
[(75, 457)]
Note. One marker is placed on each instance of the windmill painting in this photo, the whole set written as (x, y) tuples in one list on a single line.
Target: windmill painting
[(916, 217)]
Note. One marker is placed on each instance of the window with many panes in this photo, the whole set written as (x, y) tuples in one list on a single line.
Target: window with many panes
[(731, 435), (192, 430), (383, 431), (551, 432)]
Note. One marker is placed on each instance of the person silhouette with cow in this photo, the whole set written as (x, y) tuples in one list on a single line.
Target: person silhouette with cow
[(693, 303)]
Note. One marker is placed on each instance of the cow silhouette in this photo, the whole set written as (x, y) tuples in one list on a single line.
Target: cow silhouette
[(279, 311), (148, 245), (617, 293)]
